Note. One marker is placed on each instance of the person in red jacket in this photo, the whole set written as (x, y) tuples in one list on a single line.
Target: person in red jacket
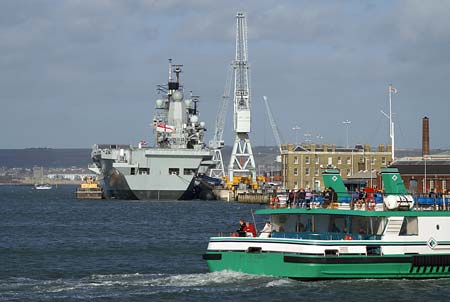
[(250, 228)]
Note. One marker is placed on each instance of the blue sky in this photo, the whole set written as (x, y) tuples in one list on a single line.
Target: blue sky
[(74, 73)]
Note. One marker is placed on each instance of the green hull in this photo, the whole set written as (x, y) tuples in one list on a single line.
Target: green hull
[(330, 267)]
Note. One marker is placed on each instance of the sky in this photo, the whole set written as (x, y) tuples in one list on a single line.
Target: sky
[(74, 73)]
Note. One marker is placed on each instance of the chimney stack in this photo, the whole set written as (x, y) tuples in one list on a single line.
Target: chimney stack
[(425, 137)]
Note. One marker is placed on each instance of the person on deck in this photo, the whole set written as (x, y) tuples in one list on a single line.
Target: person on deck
[(267, 230), (301, 196), (308, 198), (241, 230), (291, 198), (250, 228)]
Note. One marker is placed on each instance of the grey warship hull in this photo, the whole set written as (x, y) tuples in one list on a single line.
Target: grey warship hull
[(148, 173)]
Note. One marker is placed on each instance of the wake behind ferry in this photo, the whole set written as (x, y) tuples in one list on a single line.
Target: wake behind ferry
[(393, 239)]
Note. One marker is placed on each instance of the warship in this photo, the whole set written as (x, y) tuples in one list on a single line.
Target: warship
[(169, 170)]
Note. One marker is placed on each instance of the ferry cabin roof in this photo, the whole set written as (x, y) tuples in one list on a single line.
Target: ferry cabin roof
[(353, 212), (330, 224)]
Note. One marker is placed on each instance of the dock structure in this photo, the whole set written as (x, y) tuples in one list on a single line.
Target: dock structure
[(261, 198), (243, 196), (89, 190)]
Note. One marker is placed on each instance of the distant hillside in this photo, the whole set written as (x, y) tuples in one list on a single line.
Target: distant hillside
[(51, 158), (63, 158)]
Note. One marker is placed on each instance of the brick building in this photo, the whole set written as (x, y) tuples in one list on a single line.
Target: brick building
[(301, 165)]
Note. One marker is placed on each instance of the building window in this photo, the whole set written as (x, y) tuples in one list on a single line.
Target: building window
[(174, 171), (444, 185), (330, 161), (339, 160), (316, 172), (133, 171), (373, 161), (307, 183), (189, 171), (316, 159), (307, 171), (307, 160), (295, 171), (383, 161), (295, 160), (349, 172), (144, 171), (295, 185), (349, 160), (413, 186)]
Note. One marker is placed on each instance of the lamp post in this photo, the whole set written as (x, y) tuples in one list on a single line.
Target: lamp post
[(347, 124), (424, 189), (296, 128), (307, 137)]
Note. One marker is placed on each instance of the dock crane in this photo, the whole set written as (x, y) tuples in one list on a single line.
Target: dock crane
[(242, 162), (217, 143)]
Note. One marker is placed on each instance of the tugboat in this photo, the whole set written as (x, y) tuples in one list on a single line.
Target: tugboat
[(390, 240), (89, 190)]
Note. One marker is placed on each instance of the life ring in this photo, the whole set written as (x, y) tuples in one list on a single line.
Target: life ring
[(370, 205), (274, 202), (348, 237)]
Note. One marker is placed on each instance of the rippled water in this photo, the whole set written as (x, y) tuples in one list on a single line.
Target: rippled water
[(55, 248)]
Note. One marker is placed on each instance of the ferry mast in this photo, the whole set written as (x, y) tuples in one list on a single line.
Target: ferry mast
[(241, 162)]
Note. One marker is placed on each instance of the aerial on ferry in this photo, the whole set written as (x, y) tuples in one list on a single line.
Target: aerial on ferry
[(168, 170), (388, 236)]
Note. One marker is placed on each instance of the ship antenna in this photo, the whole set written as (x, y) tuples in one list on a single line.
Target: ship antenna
[(170, 70)]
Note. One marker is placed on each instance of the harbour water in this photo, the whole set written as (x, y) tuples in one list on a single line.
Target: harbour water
[(56, 248)]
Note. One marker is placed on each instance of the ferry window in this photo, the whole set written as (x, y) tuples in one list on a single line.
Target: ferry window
[(409, 226), (174, 171), (189, 171), (144, 171), (133, 171)]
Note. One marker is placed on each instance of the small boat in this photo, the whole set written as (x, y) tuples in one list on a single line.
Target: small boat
[(392, 239), (42, 186)]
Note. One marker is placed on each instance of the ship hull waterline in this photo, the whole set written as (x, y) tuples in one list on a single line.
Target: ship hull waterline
[(331, 267)]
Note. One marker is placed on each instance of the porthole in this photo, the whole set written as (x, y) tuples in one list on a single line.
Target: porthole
[(437, 226)]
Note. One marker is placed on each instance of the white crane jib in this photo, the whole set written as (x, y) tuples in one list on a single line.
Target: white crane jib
[(217, 143), (275, 131), (241, 162)]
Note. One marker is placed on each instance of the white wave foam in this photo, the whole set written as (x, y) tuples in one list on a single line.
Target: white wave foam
[(280, 282)]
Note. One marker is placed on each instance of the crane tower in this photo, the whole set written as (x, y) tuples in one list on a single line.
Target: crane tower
[(242, 162)]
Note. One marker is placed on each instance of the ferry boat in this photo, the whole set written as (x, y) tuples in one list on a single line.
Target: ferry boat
[(394, 239)]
